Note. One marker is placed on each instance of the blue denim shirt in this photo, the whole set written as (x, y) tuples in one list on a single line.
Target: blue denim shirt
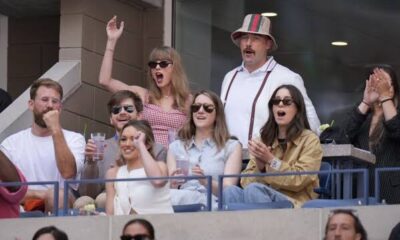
[(208, 157)]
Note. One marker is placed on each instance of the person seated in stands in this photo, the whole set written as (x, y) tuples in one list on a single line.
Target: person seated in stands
[(343, 224), (11, 196), (123, 106), (205, 143), (138, 229), (46, 151), (50, 233), (374, 125), (141, 197), (286, 144)]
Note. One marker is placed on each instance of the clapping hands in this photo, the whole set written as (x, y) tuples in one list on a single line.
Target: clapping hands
[(378, 87)]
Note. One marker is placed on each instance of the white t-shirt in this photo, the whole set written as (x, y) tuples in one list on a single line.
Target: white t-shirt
[(35, 156)]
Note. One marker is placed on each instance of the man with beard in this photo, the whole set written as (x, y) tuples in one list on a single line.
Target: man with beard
[(246, 90), (123, 106), (46, 152)]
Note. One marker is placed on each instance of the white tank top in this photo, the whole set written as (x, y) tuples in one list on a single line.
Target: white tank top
[(141, 196)]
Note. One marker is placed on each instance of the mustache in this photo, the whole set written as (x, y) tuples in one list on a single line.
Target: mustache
[(248, 49)]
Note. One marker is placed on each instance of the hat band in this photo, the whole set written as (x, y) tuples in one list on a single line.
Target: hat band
[(255, 23)]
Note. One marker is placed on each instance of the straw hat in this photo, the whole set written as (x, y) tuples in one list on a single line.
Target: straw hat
[(256, 24)]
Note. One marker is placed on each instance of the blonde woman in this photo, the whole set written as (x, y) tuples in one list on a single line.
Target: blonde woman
[(167, 98)]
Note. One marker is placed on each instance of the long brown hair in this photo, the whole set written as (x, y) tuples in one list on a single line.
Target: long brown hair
[(220, 134), (377, 133), (269, 132), (180, 86)]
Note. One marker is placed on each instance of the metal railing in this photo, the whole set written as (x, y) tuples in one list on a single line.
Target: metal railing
[(341, 171), (378, 171), (88, 181), (56, 189)]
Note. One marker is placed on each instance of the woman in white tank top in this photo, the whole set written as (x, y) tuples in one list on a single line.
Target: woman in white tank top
[(141, 197)]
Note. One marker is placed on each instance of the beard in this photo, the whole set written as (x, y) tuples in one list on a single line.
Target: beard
[(38, 118)]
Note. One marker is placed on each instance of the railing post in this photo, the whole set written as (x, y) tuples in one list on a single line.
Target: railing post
[(209, 192), (56, 195), (220, 192), (65, 206)]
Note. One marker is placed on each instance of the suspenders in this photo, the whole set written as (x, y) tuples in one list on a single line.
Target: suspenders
[(253, 108)]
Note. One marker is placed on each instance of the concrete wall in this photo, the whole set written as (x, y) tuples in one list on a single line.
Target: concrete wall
[(32, 50), (282, 224), (83, 37)]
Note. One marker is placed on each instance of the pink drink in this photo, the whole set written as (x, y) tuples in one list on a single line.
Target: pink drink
[(183, 165)]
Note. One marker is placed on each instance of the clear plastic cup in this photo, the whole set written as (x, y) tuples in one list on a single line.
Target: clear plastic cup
[(183, 163), (99, 140)]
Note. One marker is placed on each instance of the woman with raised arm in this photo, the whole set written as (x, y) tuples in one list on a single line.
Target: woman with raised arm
[(374, 125), (286, 144), (141, 197), (167, 98), (205, 143)]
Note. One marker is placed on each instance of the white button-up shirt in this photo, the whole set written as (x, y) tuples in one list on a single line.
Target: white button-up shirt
[(238, 105)]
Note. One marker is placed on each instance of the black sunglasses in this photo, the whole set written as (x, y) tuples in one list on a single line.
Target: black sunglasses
[(163, 64), (207, 107), (117, 109), (285, 101), (136, 237)]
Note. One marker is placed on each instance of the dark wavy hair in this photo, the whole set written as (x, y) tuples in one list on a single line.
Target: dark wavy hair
[(269, 132), (220, 133), (358, 227), (146, 224), (55, 232), (378, 132)]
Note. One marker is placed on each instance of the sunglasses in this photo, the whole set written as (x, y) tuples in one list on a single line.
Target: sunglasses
[(162, 64), (117, 109), (136, 237), (285, 101), (207, 107)]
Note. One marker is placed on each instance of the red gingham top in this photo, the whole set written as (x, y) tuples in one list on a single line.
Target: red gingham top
[(160, 121)]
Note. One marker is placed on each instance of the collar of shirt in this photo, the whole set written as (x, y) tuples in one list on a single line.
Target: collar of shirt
[(295, 142), (208, 142), (267, 67)]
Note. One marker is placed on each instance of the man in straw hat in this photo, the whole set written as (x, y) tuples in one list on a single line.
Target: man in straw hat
[(247, 89)]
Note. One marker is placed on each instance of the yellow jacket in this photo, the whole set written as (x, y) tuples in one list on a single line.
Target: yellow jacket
[(302, 154)]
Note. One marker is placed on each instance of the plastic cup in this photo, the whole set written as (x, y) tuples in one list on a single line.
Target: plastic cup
[(99, 140), (183, 163)]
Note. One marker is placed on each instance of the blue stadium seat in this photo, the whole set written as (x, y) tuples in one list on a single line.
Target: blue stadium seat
[(249, 206), (196, 207), (324, 189)]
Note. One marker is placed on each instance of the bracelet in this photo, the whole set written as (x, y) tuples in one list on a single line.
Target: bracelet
[(385, 100), (369, 105), (109, 49)]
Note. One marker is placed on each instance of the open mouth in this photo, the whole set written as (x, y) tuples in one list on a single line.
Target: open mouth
[(159, 77), (248, 51), (281, 113)]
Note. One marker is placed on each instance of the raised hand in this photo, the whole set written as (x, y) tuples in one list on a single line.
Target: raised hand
[(139, 138), (370, 93), (113, 32), (52, 120), (383, 84), (261, 152)]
